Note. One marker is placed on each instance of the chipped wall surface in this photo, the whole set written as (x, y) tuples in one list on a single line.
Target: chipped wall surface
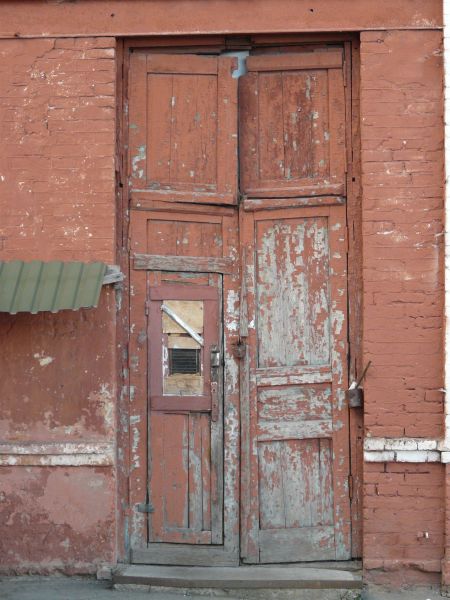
[(57, 201), (56, 518), (58, 384), (402, 177), (57, 114)]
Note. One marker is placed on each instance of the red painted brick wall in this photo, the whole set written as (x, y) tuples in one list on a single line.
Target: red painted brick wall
[(402, 176), (57, 201)]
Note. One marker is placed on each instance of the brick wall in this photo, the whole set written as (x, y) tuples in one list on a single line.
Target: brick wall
[(57, 115), (57, 201), (402, 176)]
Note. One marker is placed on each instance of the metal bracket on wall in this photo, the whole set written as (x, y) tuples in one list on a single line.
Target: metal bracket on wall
[(113, 274)]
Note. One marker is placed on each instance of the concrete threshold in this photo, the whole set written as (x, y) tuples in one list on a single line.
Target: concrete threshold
[(238, 578)]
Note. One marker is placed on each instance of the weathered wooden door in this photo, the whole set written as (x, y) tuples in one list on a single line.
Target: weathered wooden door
[(293, 234), (183, 318), (216, 307)]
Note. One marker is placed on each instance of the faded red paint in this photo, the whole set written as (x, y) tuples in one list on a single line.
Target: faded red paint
[(402, 180), (56, 519), (57, 183), (57, 200)]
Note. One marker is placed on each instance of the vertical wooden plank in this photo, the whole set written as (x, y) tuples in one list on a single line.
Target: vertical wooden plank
[(194, 130), (159, 127), (137, 361), (137, 129), (216, 316), (326, 482), (271, 134), (354, 283), (341, 466), (189, 239), (211, 239), (249, 414), (297, 124), (272, 506), (248, 130), (227, 127), (337, 124), (317, 309), (205, 433), (161, 236), (195, 477)]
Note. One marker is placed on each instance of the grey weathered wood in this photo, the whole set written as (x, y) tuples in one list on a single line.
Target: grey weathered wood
[(266, 379), (294, 430), (295, 544), (255, 204), (217, 503), (184, 554), (113, 274), (294, 403), (238, 578), (194, 264)]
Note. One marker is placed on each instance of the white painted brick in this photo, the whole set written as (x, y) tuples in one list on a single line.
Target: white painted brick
[(401, 444), (374, 443), (379, 456), (427, 444), (418, 456), (445, 457)]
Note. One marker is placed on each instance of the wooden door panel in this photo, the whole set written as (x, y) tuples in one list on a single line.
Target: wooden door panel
[(181, 478), (178, 449), (292, 292), (185, 484), (298, 421), (182, 127), (292, 125)]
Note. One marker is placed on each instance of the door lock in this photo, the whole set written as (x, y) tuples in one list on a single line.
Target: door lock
[(215, 364)]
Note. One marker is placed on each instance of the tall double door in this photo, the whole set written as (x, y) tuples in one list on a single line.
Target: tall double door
[(239, 425)]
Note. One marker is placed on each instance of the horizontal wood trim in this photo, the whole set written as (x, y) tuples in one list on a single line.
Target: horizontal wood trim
[(194, 264), (198, 292), (297, 544), (142, 202), (255, 204), (176, 195), (184, 554), (180, 403), (293, 375), (295, 61), (179, 536), (269, 431), (188, 64), (266, 190)]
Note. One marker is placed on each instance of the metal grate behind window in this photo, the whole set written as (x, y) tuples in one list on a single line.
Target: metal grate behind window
[(184, 360)]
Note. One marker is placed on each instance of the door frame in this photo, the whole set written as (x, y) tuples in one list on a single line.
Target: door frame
[(126, 518)]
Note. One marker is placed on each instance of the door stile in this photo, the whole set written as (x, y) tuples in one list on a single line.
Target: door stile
[(249, 469), (339, 352), (138, 361)]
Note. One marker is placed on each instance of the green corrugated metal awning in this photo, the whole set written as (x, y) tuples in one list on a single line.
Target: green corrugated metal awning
[(49, 286)]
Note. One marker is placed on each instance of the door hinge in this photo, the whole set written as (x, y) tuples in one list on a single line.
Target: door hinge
[(350, 487), (147, 308), (145, 508)]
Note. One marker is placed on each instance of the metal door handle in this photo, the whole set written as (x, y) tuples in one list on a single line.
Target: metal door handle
[(215, 364)]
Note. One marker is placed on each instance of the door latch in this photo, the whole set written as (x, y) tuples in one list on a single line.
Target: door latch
[(215, 364)]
